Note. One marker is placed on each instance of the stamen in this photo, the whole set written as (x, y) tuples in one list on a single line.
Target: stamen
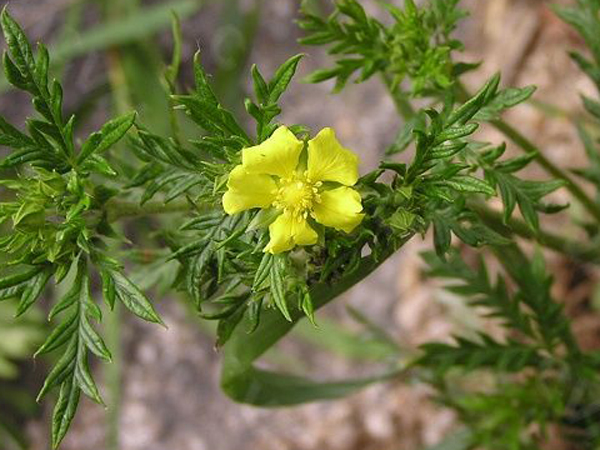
[(296, 195)]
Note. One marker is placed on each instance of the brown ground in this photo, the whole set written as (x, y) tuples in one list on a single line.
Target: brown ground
[(171, 398)]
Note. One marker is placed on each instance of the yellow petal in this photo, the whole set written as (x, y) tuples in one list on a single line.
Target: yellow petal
[(278, 155), (339, 208), (246, 191), (287, 232), (329, 161)]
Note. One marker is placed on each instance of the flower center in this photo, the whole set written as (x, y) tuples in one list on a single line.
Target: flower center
[(297, 195)]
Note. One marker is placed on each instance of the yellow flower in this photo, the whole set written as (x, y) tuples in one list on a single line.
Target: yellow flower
[(316, 185)]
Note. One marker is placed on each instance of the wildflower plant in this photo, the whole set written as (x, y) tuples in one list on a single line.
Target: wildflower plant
[(270, 225)]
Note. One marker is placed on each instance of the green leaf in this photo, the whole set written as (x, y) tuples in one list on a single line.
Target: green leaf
[(278, 286), (42, 64), (33, 290), (455, 132), (92, 339), (505, 99), (260, 85), (262, 388), (64, 410), (60, 335), (343, 341), (263, 272), (19, 278), (282, 78), (11, 137), (62, 369), (84, 377), (442, 237), (13, 75), (468, 110), (228, 324), (467, 183), (108, 135), (470, 355), (133, 298), (18, 45), (97, 164)]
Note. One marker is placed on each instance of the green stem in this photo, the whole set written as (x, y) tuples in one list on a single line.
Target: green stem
[(494, 220)]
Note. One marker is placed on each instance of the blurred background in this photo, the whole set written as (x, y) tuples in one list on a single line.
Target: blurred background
[(163, 391)]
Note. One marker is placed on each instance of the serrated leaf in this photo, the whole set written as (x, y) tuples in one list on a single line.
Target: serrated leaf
[(260, 85), (442, 238), (468, 110), (455, 132), (33, 290), (133, 298), (470, 355), (282, 78), (505, 99), (97, 164), (467, 183), (17, 43), (19, 278), (92, 339), (42, 65), (60, 335), (110, 133), (108, 288), (263, 272), (83, 376), (62, 369), (64, 410), (12, 137), (13, 75), (278, 289)]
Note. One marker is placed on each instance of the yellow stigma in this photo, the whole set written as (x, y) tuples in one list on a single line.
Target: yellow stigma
[(297, 195)]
